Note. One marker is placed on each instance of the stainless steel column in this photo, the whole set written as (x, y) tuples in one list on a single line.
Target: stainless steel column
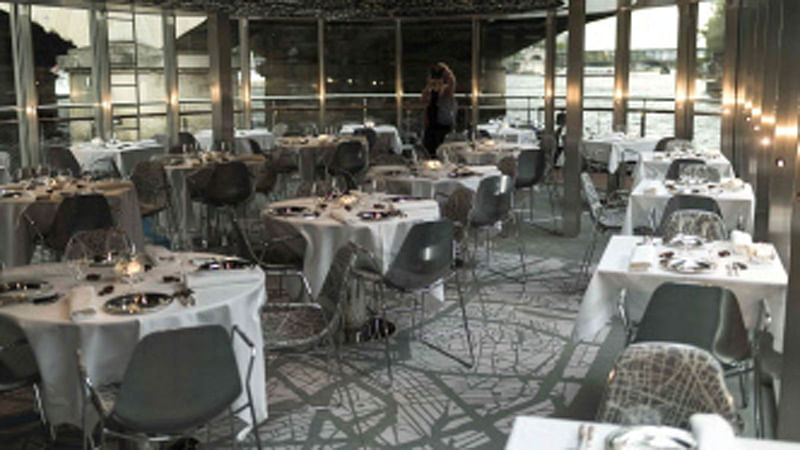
[(550, 72), (321, 70), (171, 78), (729, 79), (786, 147), (25, 83), (476, 45), (622, 59), (101, 72), (764, 136), (398, 72), (685, 76), (220, 81), (572, 205), (244, 68)]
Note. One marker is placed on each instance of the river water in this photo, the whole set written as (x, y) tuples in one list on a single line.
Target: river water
[(642, 84)]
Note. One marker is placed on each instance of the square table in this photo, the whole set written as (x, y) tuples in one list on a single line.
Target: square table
[(503, 132), (654, 165), (124, 154), (766, 280), (388, 138), (737, 206), (428, 183), (616, 149), (265, 139)]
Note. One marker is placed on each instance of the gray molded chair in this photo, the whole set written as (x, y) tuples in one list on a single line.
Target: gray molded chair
[(424, 259), (661, 145), (661, 383), (694, 222), (61, 158), (532, 170), (687, 201), (604, 220), (176, 381), (349, 160), (18, 367), (74, 214), (677, 165), (152, 187), (187, 140)]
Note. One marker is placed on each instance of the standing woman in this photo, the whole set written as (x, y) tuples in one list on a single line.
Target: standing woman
[(440, 106)]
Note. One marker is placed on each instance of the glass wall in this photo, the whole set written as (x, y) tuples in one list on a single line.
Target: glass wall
[(708, 87), (654, 40), (598, 76), (9, 132)]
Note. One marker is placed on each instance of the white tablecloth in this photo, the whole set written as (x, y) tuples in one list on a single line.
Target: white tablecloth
[(504, 133), (483, 152), (388, 138), (654, 165), (263, 136), (325, 235), (760, 281), (428, 183), (735, 206), (107, 341), (616, 149), (16, 236), (125, 154), (310, 151), (545, 433)]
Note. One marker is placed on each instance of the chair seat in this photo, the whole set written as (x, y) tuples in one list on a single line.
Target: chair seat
[(286, 325)]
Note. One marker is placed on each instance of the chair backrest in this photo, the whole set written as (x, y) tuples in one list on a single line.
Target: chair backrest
[(350, 157), (103, 168), (657, 383), (370, 134), (61, 158), (679, 144), (674, 171), (508, 167), (178, 379), (700, 172), (255, 147), (531, 165), (334, 289), (99, 244), (694, 222), (548, 144), (278, 242), (152, 186), (484, 134), (661, 145), (187, 139), (229, 184), (458, 205), (686, 201), (591, 196), (492, 201), (424, 257), (79, 213), (450, 152), (708, 317)]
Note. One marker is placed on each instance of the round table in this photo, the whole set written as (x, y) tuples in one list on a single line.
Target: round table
[(428, 183), (107, 341), (37, 208), (310, 151)]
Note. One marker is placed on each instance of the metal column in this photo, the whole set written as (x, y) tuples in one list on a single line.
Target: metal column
[(321, 70), (244, 69), (476, 45), (729, 79), (685, 77), (550, 72), (25, 82), (573, 206), (398, 72), (622, 58), (171, 78), (220, 81), (101, 73)]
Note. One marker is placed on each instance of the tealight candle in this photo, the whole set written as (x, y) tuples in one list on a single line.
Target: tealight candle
[(432, 164)]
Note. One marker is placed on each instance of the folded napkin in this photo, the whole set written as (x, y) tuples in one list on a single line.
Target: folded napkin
[(642, 258), (343, 216), (81, 303), (741, 238), (213, 278), (711, 431)]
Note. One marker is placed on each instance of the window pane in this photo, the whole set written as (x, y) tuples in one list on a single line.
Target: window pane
[(598, 75), (708, 87)]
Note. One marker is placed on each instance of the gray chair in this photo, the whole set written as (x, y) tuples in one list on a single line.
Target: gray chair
[(62, 159), (604, 220), (424, 259), (677, 165), (661, 383), (694, 222), (74, 214), (152, 187), (687, 201), (349, 160), (679, 145), (661, 145), (99, 245), (176, 382)]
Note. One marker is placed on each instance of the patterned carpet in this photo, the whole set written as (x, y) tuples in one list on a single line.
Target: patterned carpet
[(525, 365)]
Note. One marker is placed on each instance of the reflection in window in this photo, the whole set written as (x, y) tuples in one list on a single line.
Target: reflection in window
[(708, 87)]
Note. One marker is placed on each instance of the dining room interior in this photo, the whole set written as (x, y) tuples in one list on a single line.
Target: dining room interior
[(550, 224)]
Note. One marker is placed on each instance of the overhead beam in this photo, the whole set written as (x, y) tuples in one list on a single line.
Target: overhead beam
[(572, 207)]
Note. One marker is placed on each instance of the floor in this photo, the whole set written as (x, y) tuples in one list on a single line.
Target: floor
[(526, 364)]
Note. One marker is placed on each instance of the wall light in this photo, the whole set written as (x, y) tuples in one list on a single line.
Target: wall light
[(768, 120), (780, 162), (789, 131), (765, 141)]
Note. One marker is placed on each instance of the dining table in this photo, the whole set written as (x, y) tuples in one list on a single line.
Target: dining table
[(647, 200), (481, 152), (429, 179), (753, 272), (124, 154), (311, 152), (377, 222), (89, 307), (505, 132), (654, 165), (387, 137), (27, 210), (616, 149), (549, 433), (264, 138)]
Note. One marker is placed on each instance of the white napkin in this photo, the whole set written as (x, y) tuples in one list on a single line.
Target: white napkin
[(642, 258), (81, 303), (343, 216), (211, 278), (741, 238), (712, 432)]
